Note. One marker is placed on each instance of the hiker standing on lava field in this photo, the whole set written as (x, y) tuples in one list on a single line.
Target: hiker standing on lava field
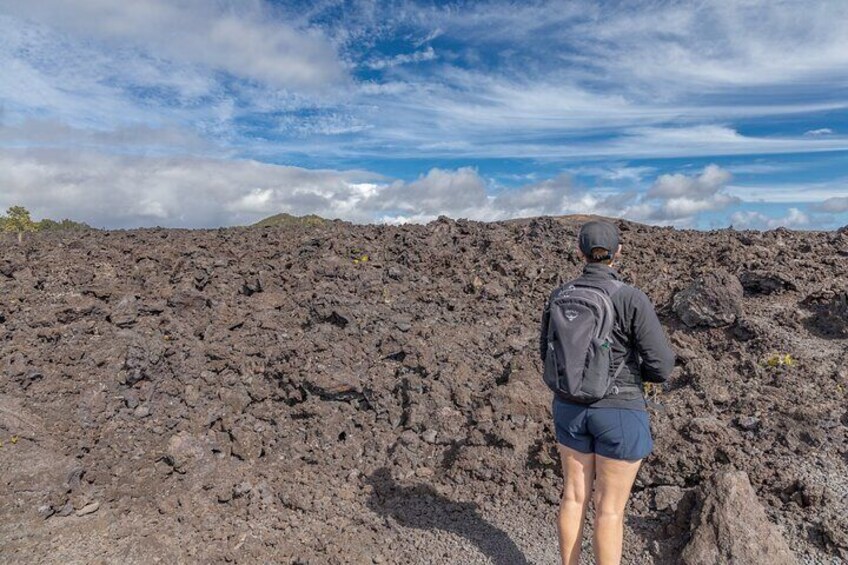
[(600, 340)]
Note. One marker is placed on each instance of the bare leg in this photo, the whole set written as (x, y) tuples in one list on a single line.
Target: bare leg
[(578, 471), (613, 481)]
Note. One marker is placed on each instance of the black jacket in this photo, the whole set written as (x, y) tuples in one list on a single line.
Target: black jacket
[(639, 341)]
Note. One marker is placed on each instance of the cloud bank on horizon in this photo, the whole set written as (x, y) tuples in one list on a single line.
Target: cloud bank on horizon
[(197, 114)]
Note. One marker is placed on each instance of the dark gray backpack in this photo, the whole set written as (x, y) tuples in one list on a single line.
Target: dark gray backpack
[(578, 361)]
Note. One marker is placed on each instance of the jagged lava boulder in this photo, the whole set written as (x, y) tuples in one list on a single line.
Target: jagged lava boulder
[(731, 527), (713, 300)]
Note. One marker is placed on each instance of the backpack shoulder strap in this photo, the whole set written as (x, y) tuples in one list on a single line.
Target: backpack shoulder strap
[(564, 288)]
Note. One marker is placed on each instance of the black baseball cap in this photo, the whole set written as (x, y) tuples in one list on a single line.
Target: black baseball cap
[(598, 234)]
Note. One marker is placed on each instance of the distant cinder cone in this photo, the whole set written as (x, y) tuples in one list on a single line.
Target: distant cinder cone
[(730, 526)]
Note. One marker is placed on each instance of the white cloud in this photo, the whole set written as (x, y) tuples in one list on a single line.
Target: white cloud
[(420, 134), (625, 173), (761, 168), (709, 182), (649, 79), (794, 218), (749, 220), (550, 196), (246, 40), (707, 140), (129, 191), (677, 208), (679, 197), (52, 78), (462, 194), (791, 193), (428, 54), (111, 65), (438, 192), (673, 49), (671, 45), (533, 80), (653, 49), (833, 205), (129, 138), (677, 201)]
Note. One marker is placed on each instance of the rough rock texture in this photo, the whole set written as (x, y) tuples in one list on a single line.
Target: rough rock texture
[(731, 526), (266, 395), (767, 282), (830, 306), (713, 300)]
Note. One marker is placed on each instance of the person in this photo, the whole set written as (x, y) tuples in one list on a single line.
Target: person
[(602, 444)]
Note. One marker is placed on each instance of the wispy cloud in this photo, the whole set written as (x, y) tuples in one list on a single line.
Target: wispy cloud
[(127, 139), (818, 132), (781, 192), (623, 173), (168, 53), (619, 98), (244, 39), (428, 54)]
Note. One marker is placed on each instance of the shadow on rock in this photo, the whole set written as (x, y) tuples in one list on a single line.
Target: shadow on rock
[(830, 317), (420, 506)]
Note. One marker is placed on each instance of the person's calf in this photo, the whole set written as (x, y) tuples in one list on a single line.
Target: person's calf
[(572, 515), (578, 475), (608, 536)]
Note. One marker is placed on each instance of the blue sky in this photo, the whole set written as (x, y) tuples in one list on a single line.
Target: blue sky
[(196, 113)]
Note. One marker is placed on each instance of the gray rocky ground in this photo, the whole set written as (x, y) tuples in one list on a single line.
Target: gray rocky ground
[(371, 394)]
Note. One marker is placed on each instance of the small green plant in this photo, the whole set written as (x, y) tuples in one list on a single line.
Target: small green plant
[(779, 360), (358, 255), (18, 221), (63, 225)]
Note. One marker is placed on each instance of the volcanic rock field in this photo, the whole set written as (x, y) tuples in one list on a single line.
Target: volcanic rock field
[(339, 393)]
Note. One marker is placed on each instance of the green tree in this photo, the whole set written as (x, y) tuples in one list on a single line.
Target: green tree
[(65, 225), (19, 221)]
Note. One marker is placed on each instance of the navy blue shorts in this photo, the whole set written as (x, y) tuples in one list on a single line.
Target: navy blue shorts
[(617, 433)]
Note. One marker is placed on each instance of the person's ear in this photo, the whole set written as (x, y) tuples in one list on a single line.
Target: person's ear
[(615, 256)]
